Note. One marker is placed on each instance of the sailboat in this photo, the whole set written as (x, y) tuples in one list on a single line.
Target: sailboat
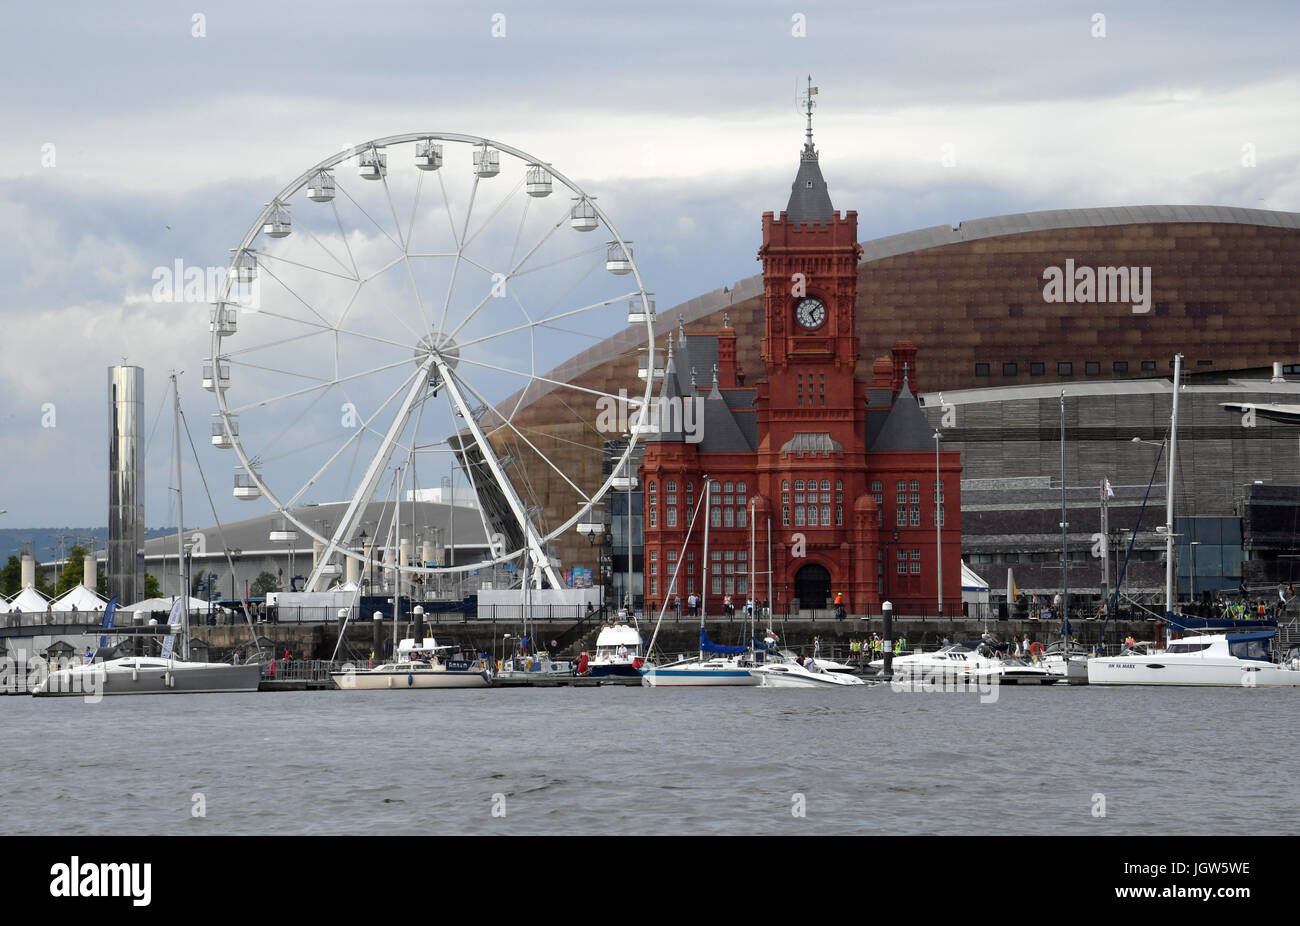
[(163, 674), (715, 665), (1246, 660)]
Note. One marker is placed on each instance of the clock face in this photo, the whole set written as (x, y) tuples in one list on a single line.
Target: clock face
[(810, 313)]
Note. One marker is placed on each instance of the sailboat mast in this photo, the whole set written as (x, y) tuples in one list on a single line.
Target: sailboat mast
[(1065, 556), (1170, 466), (182, 578), (704, 592)]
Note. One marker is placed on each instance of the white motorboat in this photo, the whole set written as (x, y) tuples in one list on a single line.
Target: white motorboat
[(148, 675), (1236, 660), (787, 672), (427, 665), (966, 664), (618, 652)]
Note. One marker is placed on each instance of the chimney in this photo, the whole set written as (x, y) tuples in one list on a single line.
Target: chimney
[(89, 571), (29, 571)]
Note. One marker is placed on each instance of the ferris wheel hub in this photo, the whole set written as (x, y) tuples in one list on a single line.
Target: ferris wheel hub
[(438, 347)]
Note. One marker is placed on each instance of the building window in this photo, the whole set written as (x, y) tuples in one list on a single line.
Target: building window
[(798, 515), (1205, 363), (728, 517), (1148, 366), (916, 517), (981, 369), (914, 492), (916, 562), (690, 496), (785, 515), (1119, 366), (1064, 368), (1008, 369), (902, 562), (826, 515), (671, 516), (1037, 368), (715, 517), (812, 515), (654, 515), (1092, 368), (900, 516)]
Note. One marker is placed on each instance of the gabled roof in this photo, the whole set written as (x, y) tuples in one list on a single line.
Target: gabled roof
[(721, 433)]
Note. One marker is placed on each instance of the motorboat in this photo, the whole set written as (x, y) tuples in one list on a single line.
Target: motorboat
[(148, 675), (978, 662), (521, 667), (788, 672), (618, 652), (426, 665), (1236, 660)]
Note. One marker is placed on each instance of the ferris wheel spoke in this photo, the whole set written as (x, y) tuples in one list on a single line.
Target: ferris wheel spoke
[(397, 223), (505, 201), (604, 303), (351, 275), (415, 208), (511, 274), (292, 292), (446, 209), (417, 383), (356, 435), (509, 424), (362, 209), (334, 206), (273, 442), (264, 256), (543, 379), (324, 385), (280, 342)]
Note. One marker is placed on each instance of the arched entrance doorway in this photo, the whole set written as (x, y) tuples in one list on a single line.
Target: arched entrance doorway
[(812, 586)]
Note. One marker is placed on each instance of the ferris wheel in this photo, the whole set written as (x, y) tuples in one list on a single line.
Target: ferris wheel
[(393, 309)]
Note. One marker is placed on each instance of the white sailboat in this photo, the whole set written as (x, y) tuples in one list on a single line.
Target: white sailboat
[(715, 666), (1242, 660), (164, 674)]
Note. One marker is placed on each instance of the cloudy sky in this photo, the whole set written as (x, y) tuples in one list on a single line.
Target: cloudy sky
[(132, 139)]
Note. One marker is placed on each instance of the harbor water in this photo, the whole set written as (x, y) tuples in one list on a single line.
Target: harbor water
[(1048, 761)]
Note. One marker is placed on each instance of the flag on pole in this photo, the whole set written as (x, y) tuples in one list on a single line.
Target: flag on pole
[(108, 620), (1012, 592), (1110, 493)]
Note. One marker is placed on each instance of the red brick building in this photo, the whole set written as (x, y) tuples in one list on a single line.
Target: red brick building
[(843, 471)]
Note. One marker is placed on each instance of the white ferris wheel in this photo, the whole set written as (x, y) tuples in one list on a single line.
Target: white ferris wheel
[(392, 310)]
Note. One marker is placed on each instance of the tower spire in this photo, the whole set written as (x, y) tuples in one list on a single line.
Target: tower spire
[(808, 150)]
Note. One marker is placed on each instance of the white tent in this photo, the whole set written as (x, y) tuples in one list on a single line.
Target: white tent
[(29, 600), (4, 605), (149, 605), (78, 599), (973, 589)]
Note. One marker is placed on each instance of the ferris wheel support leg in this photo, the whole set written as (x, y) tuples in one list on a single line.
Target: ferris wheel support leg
[(536, 553), (347, 524)]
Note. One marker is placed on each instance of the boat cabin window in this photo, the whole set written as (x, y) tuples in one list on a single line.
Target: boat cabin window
[(1249, 649), (1188, 647)]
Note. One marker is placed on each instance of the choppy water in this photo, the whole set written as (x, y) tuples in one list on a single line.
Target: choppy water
[(632, 760)]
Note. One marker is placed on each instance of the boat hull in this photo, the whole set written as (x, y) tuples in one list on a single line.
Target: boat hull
[(178, 678), (771, 679), (1170, 670), (385, 679), (697, 677)]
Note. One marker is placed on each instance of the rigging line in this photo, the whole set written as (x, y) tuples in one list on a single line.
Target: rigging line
[(221, 534), (156, 418)]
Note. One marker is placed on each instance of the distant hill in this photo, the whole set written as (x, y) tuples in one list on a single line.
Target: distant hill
[(44, 542)]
